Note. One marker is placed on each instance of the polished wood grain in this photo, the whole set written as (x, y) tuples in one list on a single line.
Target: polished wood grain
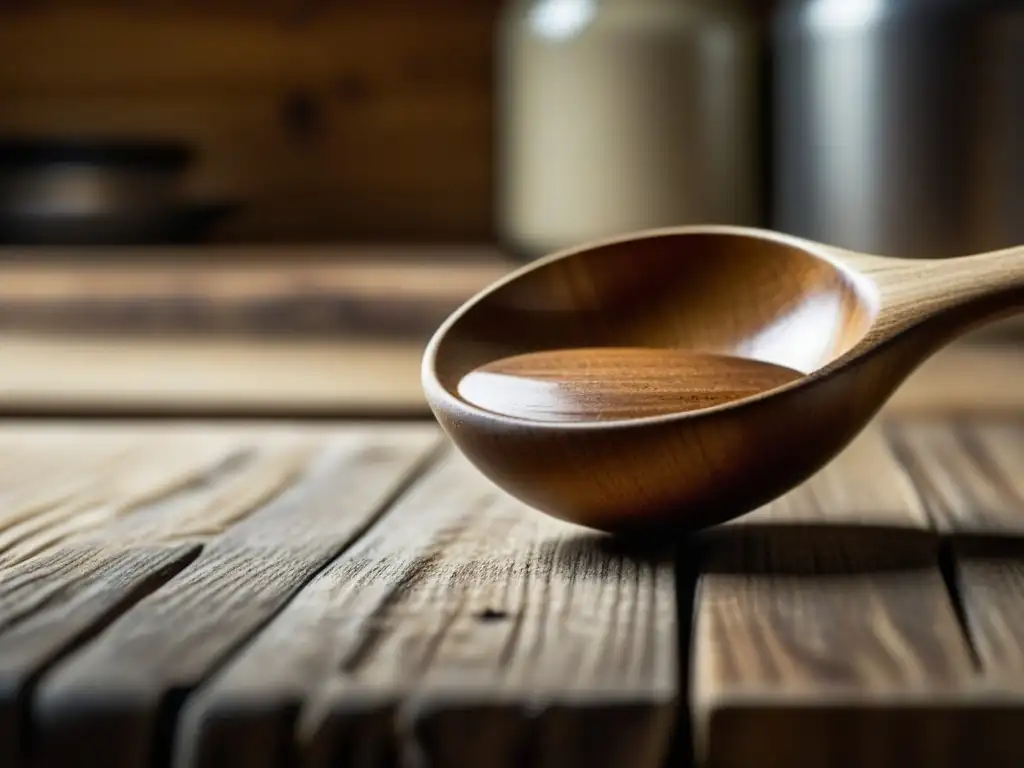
[(607, 383), (856, 325)]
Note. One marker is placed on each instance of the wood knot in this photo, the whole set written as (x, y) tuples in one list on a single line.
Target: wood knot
[(490, 614)]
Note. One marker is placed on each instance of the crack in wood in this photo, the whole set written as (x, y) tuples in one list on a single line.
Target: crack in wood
[(150, 659), (27, 655), (384, 651), (363, 596)]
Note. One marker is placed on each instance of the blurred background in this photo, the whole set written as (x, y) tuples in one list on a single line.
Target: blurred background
[(267, 206)]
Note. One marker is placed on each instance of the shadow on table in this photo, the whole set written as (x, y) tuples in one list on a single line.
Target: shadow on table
[(795, 554), (814, 549), (783, 549), (590, 550)]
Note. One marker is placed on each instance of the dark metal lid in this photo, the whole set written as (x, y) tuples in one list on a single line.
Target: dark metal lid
[(155, 154)]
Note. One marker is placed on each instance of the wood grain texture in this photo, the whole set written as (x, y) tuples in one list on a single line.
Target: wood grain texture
[(186, 376), (991, 585), (864, 488), (855, 325), (373, 292), (54, 603), (115, 698), (339, 120), (207, 603), (608, 383), (989, 577), (970, 377), (718, 290), (463, 629), (136, 475), (967, 472), (829, 644), (86, 533)]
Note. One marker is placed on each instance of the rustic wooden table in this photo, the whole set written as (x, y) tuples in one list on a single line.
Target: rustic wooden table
[(269, 594)]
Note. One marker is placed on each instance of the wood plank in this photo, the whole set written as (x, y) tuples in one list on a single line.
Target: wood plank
[(349, 121), (265, 331), (374, 292), (95, 494), (114, 698), (85, 533), (829, 644), (864, 487), (186, 375), (464, 629), (990, 581), (85, 590), (971, 474), (972, 376), (991, 585), (968, 472), (248, 8)]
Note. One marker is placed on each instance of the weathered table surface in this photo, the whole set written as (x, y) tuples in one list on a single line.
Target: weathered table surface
[(187, 594)]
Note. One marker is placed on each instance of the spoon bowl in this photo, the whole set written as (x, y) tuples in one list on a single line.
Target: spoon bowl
[(850, 327)]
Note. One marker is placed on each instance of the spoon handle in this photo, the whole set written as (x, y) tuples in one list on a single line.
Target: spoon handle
[(979, 286)]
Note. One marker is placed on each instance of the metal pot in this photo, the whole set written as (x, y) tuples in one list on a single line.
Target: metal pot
[(83, 177), (898, 124)]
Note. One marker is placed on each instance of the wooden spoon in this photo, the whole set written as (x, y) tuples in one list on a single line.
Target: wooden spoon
[(685, 376)]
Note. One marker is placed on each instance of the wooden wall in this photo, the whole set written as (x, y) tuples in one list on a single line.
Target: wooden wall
[(333, 119)]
